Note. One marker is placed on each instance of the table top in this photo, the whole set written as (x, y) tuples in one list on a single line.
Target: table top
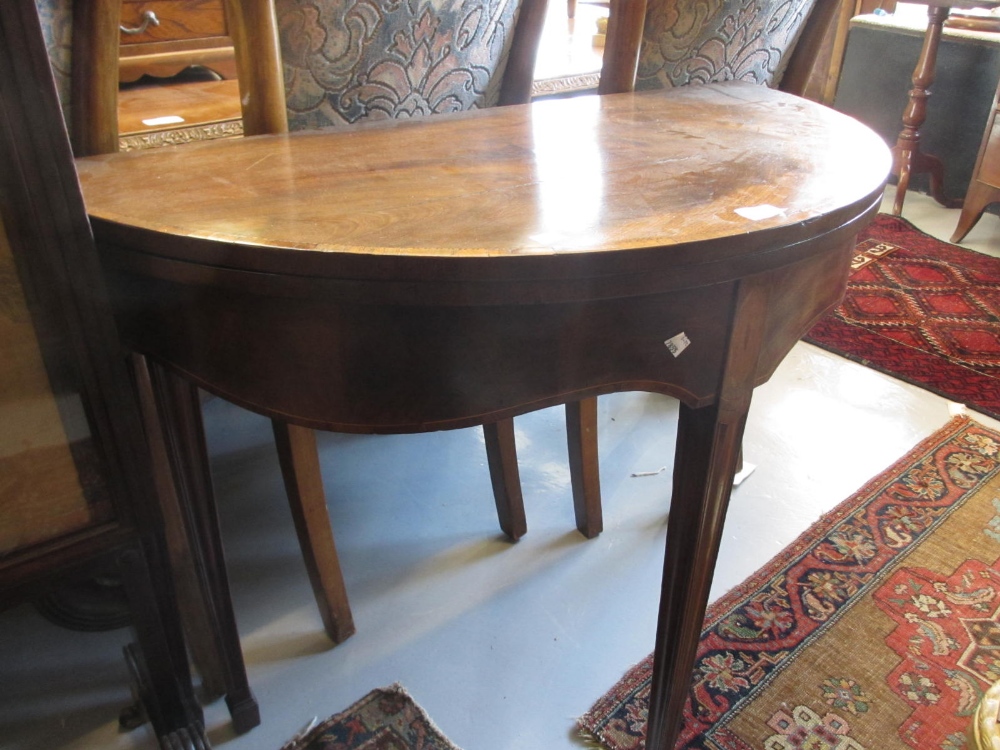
[(457, 271), (593, 180)]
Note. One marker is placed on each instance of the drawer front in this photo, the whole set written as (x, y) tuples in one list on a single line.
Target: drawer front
[(179, 20)]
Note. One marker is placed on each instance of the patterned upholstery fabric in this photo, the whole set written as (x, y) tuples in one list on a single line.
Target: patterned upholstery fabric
[(348, 60), (57, 28), (703, 41)]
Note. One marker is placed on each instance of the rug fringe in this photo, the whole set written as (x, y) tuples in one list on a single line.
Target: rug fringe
[(588, 739), (299, 740)]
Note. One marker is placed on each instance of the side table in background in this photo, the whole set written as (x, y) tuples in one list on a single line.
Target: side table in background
[(907, 158)]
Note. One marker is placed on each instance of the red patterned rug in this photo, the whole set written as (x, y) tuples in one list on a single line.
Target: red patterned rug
[(923, 311), (878, 629), (385, 719)]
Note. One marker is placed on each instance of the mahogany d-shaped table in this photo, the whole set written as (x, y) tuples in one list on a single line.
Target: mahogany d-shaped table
[(441, 273)]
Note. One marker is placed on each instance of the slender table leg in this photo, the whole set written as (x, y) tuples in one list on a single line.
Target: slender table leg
[(171, 412), (198, 624), (705, 464), (179, 400), (501, 454), (709, 441), (300, 468), (907, 158), (581, 434)]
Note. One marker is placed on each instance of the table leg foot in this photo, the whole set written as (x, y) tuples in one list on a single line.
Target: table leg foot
[(917, 162), (243, 711)]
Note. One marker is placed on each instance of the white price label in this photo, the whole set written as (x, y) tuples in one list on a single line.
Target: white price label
[(759, 213), (677, 344)]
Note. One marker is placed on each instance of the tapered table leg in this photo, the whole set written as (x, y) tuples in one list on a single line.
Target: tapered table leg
[(172, 416), (501, 454), (977, 198), (199, 625), (709, 443), (585, 475), (705, 464), (299, 459)]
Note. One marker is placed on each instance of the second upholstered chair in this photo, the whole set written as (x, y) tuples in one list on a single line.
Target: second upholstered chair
[(784, 44), (657, 44), (307, 64)]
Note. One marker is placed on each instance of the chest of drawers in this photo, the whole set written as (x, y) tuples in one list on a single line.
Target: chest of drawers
[(163, 37)]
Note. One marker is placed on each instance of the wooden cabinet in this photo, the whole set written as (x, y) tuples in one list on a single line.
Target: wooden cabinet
[(184, 33), (77, 494)]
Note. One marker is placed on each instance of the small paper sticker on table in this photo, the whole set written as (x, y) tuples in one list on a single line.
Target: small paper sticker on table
[(678, 343), (759, 213)]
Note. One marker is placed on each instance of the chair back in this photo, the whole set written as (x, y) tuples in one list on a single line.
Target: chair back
[(705, 41), (656, 44), (345, 61), (81, 39)]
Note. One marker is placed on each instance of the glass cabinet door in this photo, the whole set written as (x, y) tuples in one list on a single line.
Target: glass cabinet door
[(51, 481)]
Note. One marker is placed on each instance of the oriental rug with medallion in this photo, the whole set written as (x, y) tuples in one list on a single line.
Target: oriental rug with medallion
[(923, 311), (877, 629)]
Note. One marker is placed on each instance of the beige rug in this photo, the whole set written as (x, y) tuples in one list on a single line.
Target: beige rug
[(878, 629)]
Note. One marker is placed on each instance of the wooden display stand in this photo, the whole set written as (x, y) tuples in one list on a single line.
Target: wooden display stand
[(907, 157)]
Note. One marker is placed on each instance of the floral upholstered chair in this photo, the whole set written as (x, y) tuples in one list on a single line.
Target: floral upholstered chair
[(786, 44), (344, 62), (703, 41), (658, 44)]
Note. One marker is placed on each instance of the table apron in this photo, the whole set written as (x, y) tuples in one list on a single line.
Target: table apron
[(327, 363)]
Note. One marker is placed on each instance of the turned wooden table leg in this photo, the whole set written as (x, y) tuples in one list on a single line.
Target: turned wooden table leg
[(907, 158)]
